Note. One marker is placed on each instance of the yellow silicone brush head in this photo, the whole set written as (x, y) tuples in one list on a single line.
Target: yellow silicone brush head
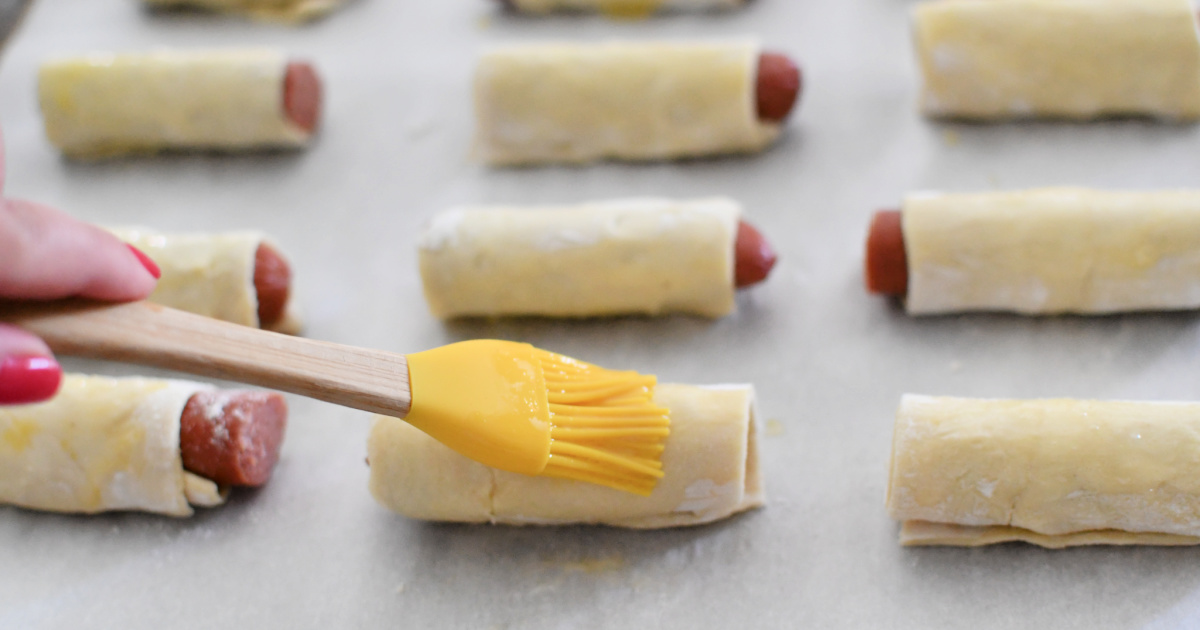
[(606, 428), (514, 407)]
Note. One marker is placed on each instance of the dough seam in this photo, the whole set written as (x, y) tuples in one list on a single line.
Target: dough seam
[(926, 534)]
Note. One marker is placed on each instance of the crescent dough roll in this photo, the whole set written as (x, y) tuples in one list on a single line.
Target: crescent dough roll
[(102, 104), (710, 465), (102, 444), (623, 7), (209, 274), (1054, 250), (605, 258), (1058, 58), (277, 10), (538, 103), (1050, 472)]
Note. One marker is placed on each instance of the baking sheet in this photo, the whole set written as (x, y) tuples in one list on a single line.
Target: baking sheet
[(312, 549)]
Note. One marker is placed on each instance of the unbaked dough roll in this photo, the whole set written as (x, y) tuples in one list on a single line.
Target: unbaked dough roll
[(710, 465), (622, 7), (1050, 472), (102, 444), (540, 103), (103, 104), (605, 258), (209, 274), (1054, 250), (275, 10), (1058, 58)]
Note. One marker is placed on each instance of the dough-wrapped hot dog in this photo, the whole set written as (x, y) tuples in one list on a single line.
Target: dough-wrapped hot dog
[(238, 277), (710, 465), (137, 444), (1058, 58), (544, 103), (104, 104), (273, 10), (1042, 251), (1054, 473), (619, 7), (648, 256)]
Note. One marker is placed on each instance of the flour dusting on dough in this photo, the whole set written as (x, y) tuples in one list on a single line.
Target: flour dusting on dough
[(566, 239), (949, 59), (443, 230), (702, 494)]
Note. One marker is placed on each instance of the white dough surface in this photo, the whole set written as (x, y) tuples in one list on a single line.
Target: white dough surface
[(828, 362), (569, 102), (619, 256), (710, 463), (104, 104), (1055, 467)]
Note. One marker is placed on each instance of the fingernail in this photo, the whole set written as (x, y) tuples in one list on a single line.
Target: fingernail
[(146, 262), (28, 379)]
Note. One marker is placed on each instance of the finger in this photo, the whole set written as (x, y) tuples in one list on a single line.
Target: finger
[(46, 254), (28, 371), (2, 169)]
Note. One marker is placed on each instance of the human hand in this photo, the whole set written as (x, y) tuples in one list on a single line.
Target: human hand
[(46, 254)]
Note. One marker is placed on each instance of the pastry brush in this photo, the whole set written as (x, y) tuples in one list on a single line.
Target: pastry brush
[(504, 404)]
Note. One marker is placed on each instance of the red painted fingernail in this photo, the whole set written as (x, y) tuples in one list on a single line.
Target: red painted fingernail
[(146, 262), (28, 379)]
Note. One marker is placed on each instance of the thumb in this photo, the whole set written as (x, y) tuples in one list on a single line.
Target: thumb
[(28, 371)]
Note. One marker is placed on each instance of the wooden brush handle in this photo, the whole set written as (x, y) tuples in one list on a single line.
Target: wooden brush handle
[(149, 334)]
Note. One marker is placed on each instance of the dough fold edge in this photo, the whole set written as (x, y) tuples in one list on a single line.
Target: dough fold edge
[(927, 534)]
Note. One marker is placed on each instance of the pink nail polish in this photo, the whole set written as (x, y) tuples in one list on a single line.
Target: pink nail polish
[(28, 379), (146, 261)]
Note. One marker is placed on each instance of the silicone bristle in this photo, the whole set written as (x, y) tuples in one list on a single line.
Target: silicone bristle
[(605, 428)]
